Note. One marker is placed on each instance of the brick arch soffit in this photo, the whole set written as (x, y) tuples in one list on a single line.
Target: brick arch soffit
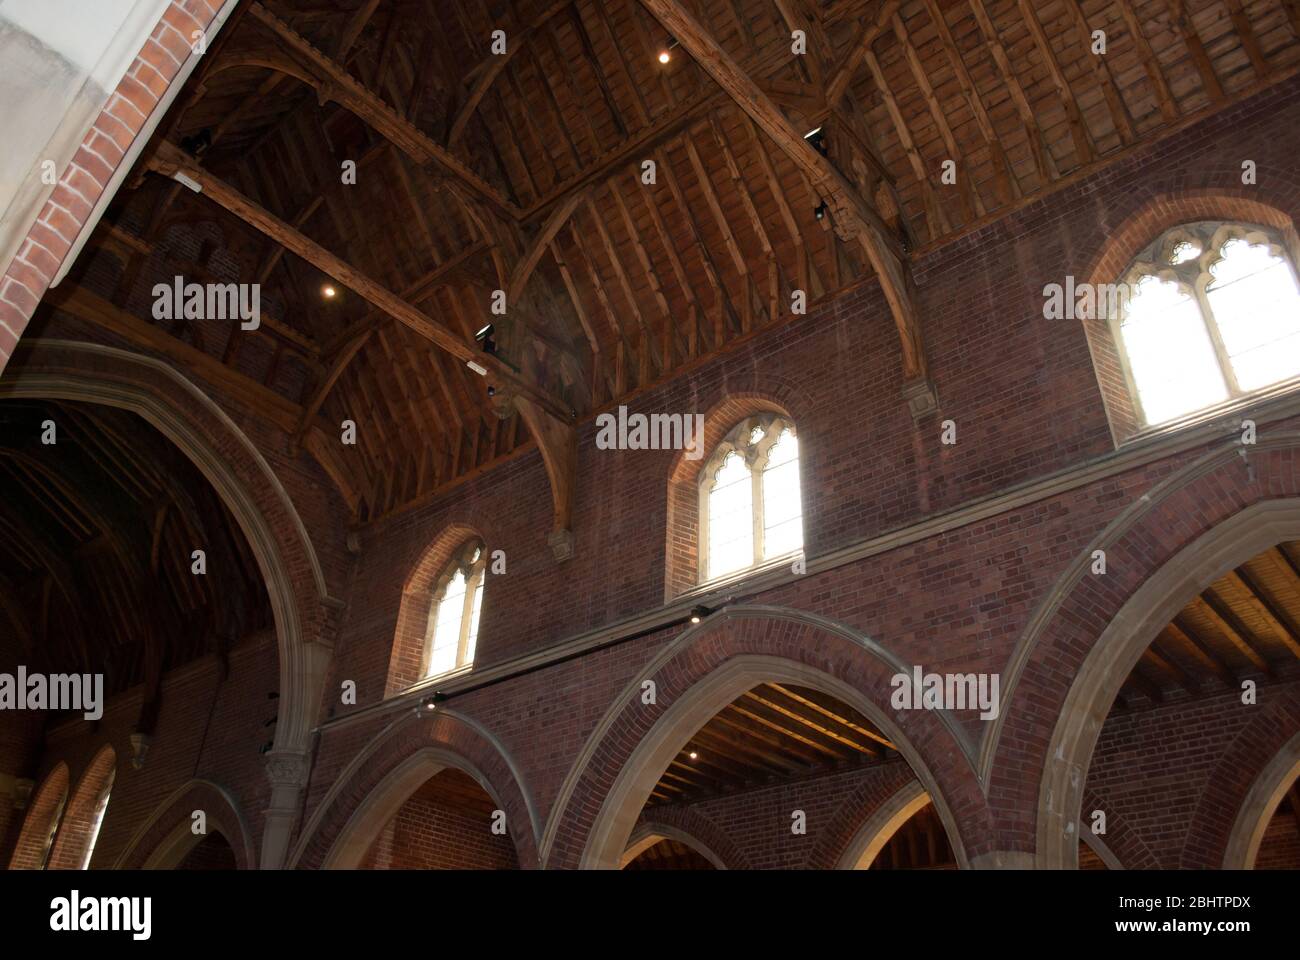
[(1078, 573), (1121, 847), (163, 840), (173, 404), (455, 740), (58, 780), (698, 650), (1231, 816), (691, 828), (1096, 680), (68, 849), (865, 820)]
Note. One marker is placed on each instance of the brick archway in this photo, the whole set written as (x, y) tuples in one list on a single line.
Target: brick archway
[(867, 819), (164, 840), (73, 844), (691, 828), (707, 667), (1102, 628), (1121, 841), (305, 614), (42, 820), (1245, 789), (392, 766), (1042, 670)]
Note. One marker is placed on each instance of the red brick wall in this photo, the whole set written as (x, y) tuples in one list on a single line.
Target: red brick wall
[(1154, 766), (1021, 389), (1280, 848), (425, 835), (102, 151), (207, 728), (756, 824), (1024, 395)]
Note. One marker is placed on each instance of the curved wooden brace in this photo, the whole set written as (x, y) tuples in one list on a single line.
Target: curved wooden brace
[(493, 68), (558, 443), (336, 367), (496, 64), (532, 256)]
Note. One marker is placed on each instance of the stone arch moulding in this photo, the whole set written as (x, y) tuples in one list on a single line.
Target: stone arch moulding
[(883, 823), (1204, 490), (707, 667), (163, 841), (1266, 792), (384, 774), (75, 840), (300, 602), (648, 833), (43, 815), (1216, 551), (1127, 239)]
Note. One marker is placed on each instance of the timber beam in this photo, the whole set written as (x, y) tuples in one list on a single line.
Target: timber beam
[(332, 81), (854, 217)]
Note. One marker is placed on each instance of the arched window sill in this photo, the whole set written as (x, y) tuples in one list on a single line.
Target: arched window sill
[(780, 564), (430, 683), (1268, 402)]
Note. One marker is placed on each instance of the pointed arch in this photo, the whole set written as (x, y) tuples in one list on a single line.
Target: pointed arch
[(706, 668), (163, 841), (74, 844), (44, 813)]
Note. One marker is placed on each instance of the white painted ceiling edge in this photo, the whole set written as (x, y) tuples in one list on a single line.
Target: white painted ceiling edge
[(142, 138), (59, 61)]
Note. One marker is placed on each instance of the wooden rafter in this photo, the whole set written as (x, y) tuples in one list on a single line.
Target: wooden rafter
[(332, 82), (854, 215)]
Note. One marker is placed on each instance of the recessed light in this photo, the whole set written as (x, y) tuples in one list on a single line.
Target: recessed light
[(664, 56), (328, 291), (694, 755)]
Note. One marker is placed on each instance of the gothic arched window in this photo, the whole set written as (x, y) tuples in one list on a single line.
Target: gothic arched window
[(1208, 313), (750, 505), (453, 615)]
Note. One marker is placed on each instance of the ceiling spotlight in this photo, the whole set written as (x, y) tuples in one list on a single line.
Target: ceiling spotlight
[(817, 138), (430, 703), (328, 291), (819, 211), (693, 755), (486, 338), (664, 56), (699, 613)]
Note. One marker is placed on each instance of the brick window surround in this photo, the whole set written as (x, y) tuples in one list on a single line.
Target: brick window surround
[(1125, 244), (682, 550)]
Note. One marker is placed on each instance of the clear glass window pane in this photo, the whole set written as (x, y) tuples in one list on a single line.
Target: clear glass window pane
[(782, 506), (1257, 307), (731, 518), (446, 628), (1170, 354), (473, 619), (101, 808)]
